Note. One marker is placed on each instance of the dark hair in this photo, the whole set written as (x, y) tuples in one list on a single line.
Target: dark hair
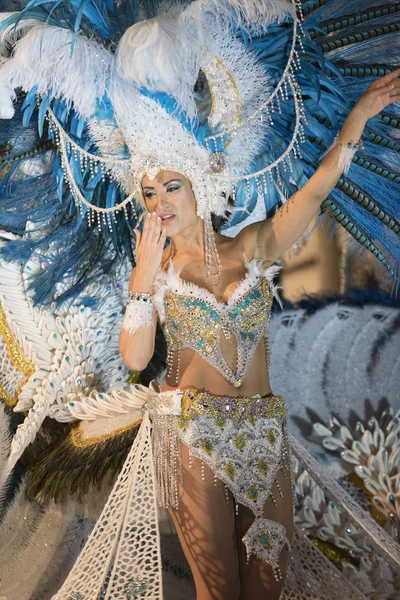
[(218, 222)]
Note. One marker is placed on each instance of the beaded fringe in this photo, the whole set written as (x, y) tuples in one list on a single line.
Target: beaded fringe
[(345, 158), (167, 459), (212, 261)]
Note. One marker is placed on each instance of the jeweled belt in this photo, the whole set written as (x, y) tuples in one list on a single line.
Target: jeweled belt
[(196, 403)]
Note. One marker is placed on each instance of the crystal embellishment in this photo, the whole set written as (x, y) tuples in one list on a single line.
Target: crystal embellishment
[(135, 588), (266, 539)]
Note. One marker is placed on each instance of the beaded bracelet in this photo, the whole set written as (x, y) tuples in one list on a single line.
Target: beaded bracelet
[(352, 145), (139, 296)]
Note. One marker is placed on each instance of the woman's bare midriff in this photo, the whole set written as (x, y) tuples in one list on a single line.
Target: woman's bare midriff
[(198, 373)]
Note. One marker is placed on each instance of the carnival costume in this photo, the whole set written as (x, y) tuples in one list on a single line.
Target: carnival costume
[(239, 100), (243, 440)]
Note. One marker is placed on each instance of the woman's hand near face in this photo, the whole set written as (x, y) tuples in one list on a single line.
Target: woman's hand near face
[(149, 249)]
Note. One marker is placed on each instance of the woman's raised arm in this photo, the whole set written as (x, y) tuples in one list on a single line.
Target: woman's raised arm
[(271, 238)]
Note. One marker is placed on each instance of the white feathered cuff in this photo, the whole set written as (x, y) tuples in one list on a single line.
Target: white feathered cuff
[(138, 314)]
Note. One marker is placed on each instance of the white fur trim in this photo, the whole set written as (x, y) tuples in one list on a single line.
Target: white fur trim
[(345, 156), (171, 280), (270, 273), (159, 289), (345, 159)]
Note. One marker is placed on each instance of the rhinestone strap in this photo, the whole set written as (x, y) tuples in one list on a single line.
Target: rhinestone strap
[(140, 296)]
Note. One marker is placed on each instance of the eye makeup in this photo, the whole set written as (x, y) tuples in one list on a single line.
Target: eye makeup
[(171, 186)]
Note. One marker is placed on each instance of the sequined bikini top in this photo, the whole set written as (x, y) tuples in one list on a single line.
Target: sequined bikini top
[(193, 318)]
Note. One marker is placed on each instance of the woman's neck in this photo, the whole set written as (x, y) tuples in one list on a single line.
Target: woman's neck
[(189, 244)]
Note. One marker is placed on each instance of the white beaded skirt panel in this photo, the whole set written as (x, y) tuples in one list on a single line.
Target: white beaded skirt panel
[(245, 443)]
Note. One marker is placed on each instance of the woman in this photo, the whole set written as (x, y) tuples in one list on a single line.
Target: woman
[(216, 328)]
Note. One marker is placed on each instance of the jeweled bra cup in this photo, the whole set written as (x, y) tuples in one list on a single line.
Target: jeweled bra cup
[(193, 318)]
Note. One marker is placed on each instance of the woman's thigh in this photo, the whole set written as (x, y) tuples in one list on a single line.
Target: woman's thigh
[(256, 576), (205, 523)]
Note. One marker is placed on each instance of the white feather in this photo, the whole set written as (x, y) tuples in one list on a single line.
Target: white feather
[(159, 54), (45, 58), (142, 121), (74, 349), (10, 35), (138, 315), (39, 545), (163, 54), (238, 81), (224, 14), (5, 443), (7, 93), (345, 159)]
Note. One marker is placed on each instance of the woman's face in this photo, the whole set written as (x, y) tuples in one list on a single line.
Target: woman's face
[(171, 197)]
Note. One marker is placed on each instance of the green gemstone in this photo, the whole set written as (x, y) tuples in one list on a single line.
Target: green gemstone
[(207, 446), (252, 493), (264, 539), (230, 469)]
